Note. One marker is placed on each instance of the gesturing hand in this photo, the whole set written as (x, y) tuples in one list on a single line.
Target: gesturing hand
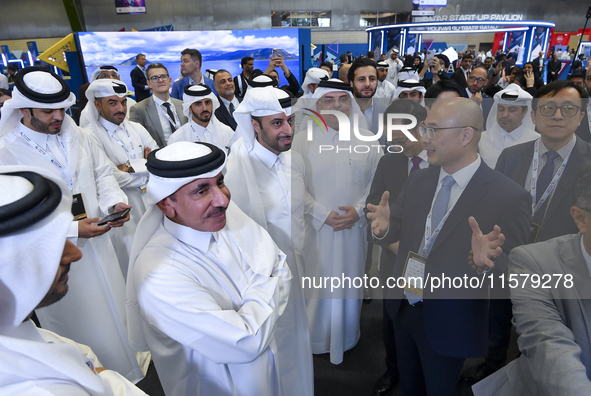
[(487, 247), (380, 215)]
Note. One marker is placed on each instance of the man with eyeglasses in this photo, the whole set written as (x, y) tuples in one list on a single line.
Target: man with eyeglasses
[(392, 172), (162, 115), (448, 221)]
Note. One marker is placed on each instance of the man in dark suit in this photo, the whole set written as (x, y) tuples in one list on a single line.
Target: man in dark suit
[(161, 115), (391, 174), (139, 79), (435, 332), (228, 100), (463, 72), (552, 218), (554, 67), (539, 65)]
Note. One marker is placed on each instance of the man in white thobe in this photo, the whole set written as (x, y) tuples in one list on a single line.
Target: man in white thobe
[(337, 183), (199, 106), (395, 65), (385, 88), (268, 183), (35, 131), (215, 334), (512, 124), (126, 143), (313, 77), (34, 266)]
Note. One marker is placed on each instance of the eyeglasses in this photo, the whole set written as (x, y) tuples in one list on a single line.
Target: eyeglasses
[(158, 78), (431, 132), (475, 79), (565, 110), (332, 101)]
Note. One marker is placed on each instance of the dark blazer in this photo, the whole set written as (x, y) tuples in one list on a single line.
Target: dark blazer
[(514, 162), (391, 174), (583, 130), (139, 82), (536, 64), (456, 327), (146, 113), (553, 66), (459, 77), (237, 91), (224, 115)]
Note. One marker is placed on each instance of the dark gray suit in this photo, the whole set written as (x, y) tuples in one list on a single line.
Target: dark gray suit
[(146, 113), (553, 325), (224, 115), (515, 161)]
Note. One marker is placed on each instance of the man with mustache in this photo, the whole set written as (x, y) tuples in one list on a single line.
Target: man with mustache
[(127, 144), (34, 273), (207, 284), (36, 131), (199, 105), (267, 178)]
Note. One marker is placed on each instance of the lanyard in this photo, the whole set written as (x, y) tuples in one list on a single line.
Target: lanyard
[(534, 177), (431, 237), (130, 155), (204, 133), (46, 155)]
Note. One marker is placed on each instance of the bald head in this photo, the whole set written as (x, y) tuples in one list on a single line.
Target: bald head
[(344, 72), (457, 125)]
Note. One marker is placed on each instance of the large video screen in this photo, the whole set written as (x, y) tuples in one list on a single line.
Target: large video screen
[(221, 49)]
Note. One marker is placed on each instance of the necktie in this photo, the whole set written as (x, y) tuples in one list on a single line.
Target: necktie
[(415, 164), (437, 214), (171, 115), (544, 179), (232, 109)]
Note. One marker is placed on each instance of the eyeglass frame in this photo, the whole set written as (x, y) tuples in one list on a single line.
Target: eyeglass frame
[(155, 79), (436, 129), (579, 108), (479, 79)]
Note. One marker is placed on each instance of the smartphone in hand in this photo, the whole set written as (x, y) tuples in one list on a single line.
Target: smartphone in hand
[(113, 217)]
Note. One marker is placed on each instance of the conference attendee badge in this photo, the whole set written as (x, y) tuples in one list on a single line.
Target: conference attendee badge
[(78, 210), (534, 231), (414, 273)]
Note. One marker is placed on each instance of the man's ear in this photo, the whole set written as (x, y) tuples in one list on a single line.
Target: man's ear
[(580, 217), (167, 207), (25, 112), (98, 105), (256, 126)]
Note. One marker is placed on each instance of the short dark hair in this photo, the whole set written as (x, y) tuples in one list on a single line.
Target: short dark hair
[(327, 64), (370, 54), (406, 106), (195, 55), (5, 92), (221, 71), (137, 57), (467, 56), (489, 57), (576, 75), (245, 60), (361, 62), (343, 58), (480, 67), (582, 188), (11, 67), (553, 88), (444, 58), (152, 66)]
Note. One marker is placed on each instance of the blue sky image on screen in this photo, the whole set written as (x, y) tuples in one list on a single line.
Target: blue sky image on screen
[(221, 49)]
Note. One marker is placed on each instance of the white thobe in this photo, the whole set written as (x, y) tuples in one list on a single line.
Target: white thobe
[(273, 185), (93, 311), (215, 133), (493, 142), (332, 180), (394, 67), (125, 143), (39, 362), (215, 334), (385, 90)]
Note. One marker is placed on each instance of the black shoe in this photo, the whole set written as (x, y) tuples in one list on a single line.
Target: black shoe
[(477, 373), (385, 385)]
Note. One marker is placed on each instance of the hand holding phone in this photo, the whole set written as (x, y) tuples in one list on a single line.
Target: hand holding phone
[(113, 217)]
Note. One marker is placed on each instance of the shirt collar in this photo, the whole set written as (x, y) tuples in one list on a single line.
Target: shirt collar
[(201, 240), (199, 129), (563, 151), (423, 155), (192, 82), (38, 137), (264, 154), (108, 125), (464, 175), (160, 102), (516, 134)]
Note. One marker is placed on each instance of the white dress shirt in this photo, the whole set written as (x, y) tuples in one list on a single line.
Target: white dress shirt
[(163, 116)]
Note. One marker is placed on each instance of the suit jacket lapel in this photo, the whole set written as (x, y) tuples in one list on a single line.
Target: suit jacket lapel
[(155, 120), (473, 192), (573, 263), (567, 180), (522, 166)]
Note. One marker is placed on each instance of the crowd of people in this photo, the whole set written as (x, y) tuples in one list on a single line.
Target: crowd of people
[(204, 226)]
